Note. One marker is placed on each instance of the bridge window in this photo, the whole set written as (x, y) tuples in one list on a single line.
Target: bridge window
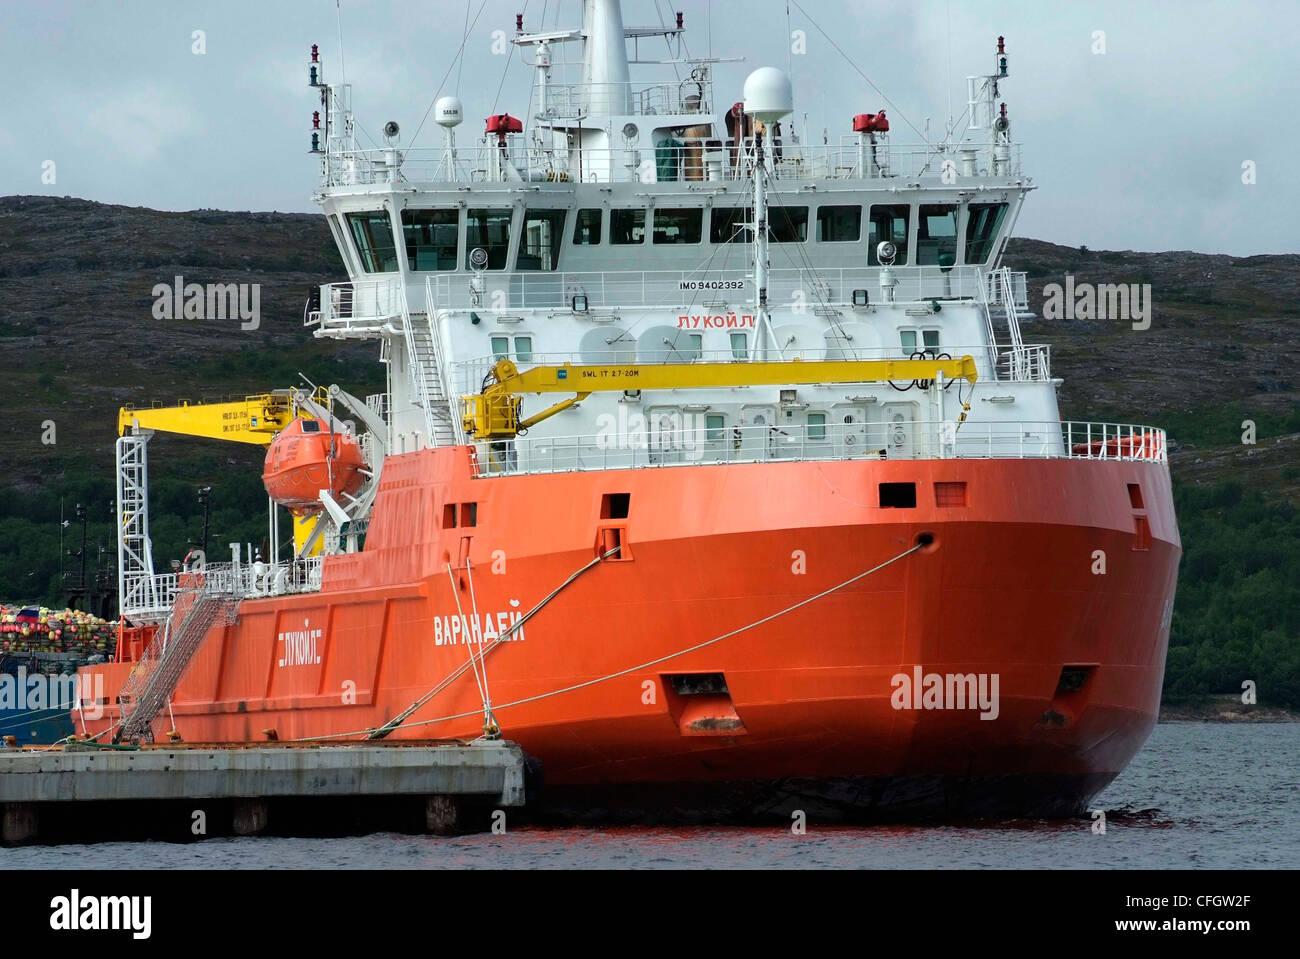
[(679, 226), (341, 238), (586, 229), (936, 236), (888, 223), (787, 224), (488, 230), (983, 220), (543, 234), (817, 427), (373, 233), (728, 226), (431, 239), (839, 224), (627, 227)]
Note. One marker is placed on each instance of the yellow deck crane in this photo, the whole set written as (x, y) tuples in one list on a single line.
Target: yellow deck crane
[(497, 412), (255, 420)]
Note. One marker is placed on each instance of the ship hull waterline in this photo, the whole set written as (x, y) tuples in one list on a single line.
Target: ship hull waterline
[(1053, 578)]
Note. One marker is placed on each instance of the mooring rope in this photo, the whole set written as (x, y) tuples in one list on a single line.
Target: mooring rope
[(654, 662), (382, 731)]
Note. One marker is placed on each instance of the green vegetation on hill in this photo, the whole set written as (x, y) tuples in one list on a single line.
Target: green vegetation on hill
[(1237, 613)]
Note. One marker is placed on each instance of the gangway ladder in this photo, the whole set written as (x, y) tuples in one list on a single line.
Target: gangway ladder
[(423, 363), (153, 680), (1008, 350)]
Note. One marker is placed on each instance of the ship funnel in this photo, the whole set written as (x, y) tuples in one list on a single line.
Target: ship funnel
[(605, 77), (769, 95)]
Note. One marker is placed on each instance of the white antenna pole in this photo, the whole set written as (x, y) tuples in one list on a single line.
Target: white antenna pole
[(343, 70), (949, 84)]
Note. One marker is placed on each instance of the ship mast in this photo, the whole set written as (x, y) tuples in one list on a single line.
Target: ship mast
[(769, 98), (605, 78)]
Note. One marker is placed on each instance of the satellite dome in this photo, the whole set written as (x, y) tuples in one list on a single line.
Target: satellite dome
[(448, 112), (769, 95)]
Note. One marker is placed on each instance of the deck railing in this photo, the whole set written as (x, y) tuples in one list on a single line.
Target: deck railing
[(687, 440), (685, 160), (359, 307), (150, 600), (697, 291)]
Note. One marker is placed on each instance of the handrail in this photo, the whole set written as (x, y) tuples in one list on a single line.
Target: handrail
[(152, 598), (719, 291), (683, 160), (684, 440)]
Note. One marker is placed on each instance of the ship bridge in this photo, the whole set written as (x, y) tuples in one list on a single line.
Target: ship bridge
[(677, 221)]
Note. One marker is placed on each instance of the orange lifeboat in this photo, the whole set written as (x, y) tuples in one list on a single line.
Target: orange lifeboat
[(1144, 445), (306, 458)]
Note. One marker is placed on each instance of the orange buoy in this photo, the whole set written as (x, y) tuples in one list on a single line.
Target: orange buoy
[(306, 458)]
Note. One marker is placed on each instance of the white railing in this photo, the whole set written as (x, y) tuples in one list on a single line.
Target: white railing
[(359, 307), (153, 601), (571, 100), (697, 290), (682, 161), (1019, 284), (687, 440), (1029, 364)]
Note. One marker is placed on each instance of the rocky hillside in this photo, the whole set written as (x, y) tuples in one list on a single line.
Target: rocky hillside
[(77, 322), (1222, 348)]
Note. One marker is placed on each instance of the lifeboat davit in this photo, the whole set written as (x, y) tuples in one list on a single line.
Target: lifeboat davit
[(306, 458)]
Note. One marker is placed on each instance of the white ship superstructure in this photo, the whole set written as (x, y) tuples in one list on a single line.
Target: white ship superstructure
[(617, 227)]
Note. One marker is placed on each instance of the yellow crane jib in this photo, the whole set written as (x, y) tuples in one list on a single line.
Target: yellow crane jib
[(497, 412), (255, 419)]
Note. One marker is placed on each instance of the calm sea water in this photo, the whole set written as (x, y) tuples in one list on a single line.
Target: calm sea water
[(1198, 795)]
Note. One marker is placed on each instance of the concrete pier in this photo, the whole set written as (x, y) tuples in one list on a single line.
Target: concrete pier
[(447, 779)]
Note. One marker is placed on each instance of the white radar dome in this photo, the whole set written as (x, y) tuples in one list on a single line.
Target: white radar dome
[(769, 95), (449, 112)]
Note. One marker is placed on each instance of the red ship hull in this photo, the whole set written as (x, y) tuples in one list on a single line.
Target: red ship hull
[(1056, 576)]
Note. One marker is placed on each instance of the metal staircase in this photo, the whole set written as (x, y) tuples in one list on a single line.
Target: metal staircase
[(430, 392), (154, 679), (1008, 350), (427, 385)]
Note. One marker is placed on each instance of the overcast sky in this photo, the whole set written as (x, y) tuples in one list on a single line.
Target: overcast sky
[(1140, 147)]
